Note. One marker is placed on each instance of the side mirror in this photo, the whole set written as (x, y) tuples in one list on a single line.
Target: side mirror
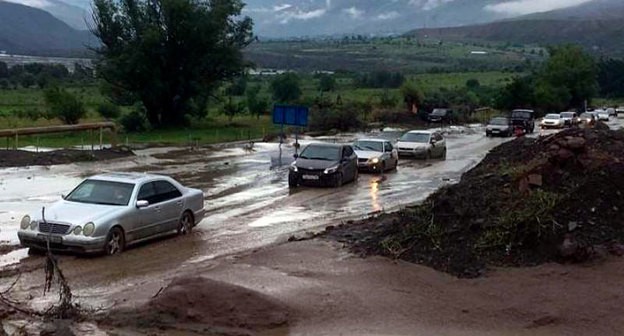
[(142, 204), (296, 156), (63, 196)]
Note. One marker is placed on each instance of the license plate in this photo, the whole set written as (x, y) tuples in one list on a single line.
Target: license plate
[(53, 239), (310, 177), (495, 131)]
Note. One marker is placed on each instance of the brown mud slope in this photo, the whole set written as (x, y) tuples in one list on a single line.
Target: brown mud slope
[(19, 158), (556, 198), (205, 306)]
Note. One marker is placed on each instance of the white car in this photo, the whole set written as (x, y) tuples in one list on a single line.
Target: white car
[(422, 144), (376, 155), (602, 115), (552, 120), (105, 213), (569, 118)]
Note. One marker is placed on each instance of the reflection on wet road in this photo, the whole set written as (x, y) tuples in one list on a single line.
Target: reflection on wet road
[(248, 203)]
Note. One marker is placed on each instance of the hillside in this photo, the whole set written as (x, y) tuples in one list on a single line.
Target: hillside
[(604, 36), (27, 30)]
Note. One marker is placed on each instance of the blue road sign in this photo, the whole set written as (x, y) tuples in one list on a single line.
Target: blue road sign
[(290, 115)]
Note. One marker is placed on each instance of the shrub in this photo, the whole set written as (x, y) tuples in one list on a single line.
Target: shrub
[(342, 118), (64, 105), (134, 121), (109, 111)]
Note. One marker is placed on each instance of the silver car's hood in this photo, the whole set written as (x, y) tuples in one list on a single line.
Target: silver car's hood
[(361, 154), (412, 145), (77, 213)]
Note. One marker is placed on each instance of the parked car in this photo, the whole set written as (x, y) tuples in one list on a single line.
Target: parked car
[(324, 164), (603, 115), (108, 212), (588, 119), (612, 111), (422, 144), (499, 126), (376, 155), (524, 119), (441, 115), (569, 118), (552, 120)]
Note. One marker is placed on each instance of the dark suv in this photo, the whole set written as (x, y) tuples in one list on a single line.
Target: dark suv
[(441, 115), (524, 119), (324, 164)]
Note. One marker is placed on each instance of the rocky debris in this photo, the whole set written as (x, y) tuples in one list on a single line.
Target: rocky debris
[(212, 306), (20, 158), (555, 198)]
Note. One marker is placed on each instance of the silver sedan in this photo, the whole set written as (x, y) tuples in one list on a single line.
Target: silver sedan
[(106, 213)]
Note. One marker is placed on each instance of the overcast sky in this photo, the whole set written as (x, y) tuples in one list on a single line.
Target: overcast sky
[(521, 7)]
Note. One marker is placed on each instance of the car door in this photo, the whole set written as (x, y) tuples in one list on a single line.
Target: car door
[(171, 204), (148, 216), (391, 153), (349, 163), (440, 144)]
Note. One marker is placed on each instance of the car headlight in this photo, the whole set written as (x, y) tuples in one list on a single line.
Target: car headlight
[(331, 170), (33, 225), (25, 223), (374, 160), (77, 230), (293, 167), (88, 229)]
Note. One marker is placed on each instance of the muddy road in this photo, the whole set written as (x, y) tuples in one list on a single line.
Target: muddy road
[(248, 203)]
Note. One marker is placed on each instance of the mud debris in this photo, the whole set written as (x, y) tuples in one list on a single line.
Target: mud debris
[(20, 158), (528, 202)]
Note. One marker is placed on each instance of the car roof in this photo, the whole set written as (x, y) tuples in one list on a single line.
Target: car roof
[(373, 140), (325, 144), (521, 110), (421, 131), (133, 178)]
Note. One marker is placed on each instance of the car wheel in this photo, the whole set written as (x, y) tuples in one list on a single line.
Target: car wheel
[(444, 154), (186, 223), (356, 176), (383, 167), (338, 180), (115, 242), (292, 182), (428, 155), (396, 164)]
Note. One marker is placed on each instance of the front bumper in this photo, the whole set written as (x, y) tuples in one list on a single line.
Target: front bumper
[(551, 125), (61, 243), (369, 166), (413, 153), (313, 178), (498, 131)]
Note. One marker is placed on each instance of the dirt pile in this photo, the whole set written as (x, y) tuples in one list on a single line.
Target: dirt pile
[(555, 198), (200, 305), (20, 158)]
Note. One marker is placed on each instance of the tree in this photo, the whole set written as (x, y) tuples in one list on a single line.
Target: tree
[(610, 78), (286, 88), (255, 104), (64, 105), (27, 80), (412, 96), (572, 70), (232, 109), (327, 83), (473, 84), (517, 94), (109, 111), (4, 70), (170, 54), (238, 87)]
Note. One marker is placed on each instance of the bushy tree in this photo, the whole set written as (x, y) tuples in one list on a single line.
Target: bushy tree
[(4, 70), (27, 80), (412, 96), (238, 86), (327, 83), (170, 54), (64, 105), (286, 88), (232, 109), (610, 78), (109, 111), (255, 104)]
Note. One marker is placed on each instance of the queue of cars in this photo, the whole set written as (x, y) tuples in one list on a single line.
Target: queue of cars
[(323, 164)]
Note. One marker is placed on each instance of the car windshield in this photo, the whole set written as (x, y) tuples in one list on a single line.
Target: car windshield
[(499, 121), (439, 112), (567, 115), (521, 114), (552, 116), (415, 137), (315, 152), (375, 146), (102, 192)]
